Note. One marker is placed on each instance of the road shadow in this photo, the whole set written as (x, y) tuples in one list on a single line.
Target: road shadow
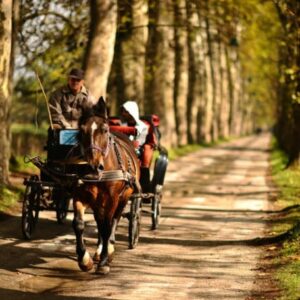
[(7, 294)]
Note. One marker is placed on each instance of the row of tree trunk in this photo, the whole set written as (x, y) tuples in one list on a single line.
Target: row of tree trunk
[(177, 61), (287, 128)]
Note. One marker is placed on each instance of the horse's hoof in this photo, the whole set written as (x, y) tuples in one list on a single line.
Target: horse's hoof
[(103, 270), (96, 257), (87, 263), (110, 258)]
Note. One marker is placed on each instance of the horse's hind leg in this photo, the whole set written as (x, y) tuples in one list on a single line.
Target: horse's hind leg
[(85, 261), (116, 219)]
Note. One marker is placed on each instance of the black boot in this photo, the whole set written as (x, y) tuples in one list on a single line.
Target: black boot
[(145, 180)]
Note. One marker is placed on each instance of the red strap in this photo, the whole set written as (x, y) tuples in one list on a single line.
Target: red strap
[(128, 130)]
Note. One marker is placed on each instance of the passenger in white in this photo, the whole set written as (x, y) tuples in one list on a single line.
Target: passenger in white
[(130, 117)]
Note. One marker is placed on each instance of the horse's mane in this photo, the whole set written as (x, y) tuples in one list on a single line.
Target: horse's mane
[(123, 138)]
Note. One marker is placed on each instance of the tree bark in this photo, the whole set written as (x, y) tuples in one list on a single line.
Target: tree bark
[(6, 14), (100, 48), (159, 69), (195, 66), (181, 71), (224, 93), (209, 78)]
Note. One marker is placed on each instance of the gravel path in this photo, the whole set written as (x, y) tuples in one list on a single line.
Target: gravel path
[(215, 202)]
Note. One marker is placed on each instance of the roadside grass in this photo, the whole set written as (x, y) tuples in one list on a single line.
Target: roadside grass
[(9, 197), (179, 151), (174, 153), (18, 165), (288, 182), (29, 129)]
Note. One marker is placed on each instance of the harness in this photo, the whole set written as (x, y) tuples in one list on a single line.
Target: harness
[(113, 175)]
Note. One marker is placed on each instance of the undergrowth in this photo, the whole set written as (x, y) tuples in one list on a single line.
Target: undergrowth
[(176, 152), (8, 197), (288, 183)]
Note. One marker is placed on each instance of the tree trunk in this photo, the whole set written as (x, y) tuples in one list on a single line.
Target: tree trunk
[(159, 69), (195, 65), (100, 48), (224, 94), (209, 82), (230, 87), (5, 86), (181, 71)]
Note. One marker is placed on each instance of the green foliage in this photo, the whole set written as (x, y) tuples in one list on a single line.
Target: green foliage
[(289, 273), (52, 38), (181, 151), (30, 129), (184, 150), (18, 165), (288, 179), (259, 52), (8, 197), (288, 182)]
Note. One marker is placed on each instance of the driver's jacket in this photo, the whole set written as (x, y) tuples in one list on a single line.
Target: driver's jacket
[(66, 108)]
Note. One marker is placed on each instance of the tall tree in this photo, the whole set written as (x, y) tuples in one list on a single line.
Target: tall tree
[(205, 133), (195, 64), (127, 76), (6, 15), (288, 126), (100, 48), (181, 70), (159, 68)]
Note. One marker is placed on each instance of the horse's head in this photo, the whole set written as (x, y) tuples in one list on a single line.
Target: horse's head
[(94, 135)]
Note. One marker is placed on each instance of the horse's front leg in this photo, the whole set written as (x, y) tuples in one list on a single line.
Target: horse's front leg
[(111, 243), (104, 229), (85, 261)]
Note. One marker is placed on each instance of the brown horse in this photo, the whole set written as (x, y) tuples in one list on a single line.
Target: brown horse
[(113, 177)]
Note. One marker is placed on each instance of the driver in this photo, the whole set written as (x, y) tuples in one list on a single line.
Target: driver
[(66, 103)]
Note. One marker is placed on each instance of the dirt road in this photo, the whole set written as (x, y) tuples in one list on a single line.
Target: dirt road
[(215, 202)]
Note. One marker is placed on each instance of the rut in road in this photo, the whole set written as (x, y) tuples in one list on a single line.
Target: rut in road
[(215, 200)]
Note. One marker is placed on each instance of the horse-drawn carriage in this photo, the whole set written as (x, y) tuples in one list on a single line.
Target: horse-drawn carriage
[(65, 174)]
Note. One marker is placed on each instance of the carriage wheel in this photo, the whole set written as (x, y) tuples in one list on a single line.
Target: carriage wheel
[(134, 222), (155, 210), (30, 209)]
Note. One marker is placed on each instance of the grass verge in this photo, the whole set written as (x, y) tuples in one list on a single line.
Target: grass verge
[(174, 153), (9, 197), (288, 182)]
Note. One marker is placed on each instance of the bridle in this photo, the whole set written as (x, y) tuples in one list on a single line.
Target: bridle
[(103, 150)]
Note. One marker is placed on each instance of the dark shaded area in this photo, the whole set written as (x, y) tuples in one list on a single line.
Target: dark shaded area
[(7, 294)]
